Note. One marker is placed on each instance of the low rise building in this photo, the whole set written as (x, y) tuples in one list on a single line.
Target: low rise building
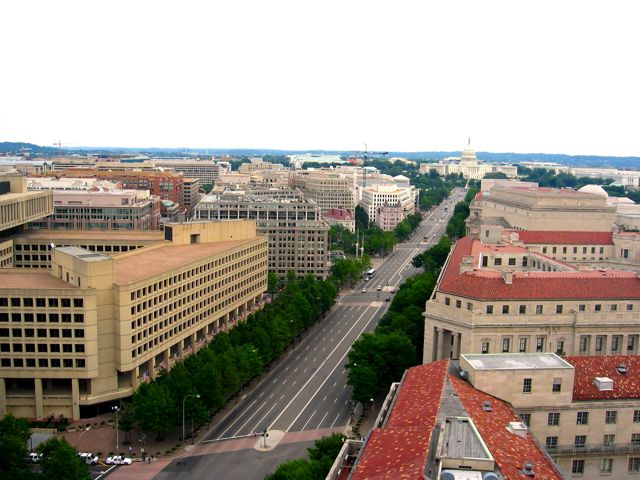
[(434, 425), (585, 411), (94, 326), (506, 293), (337, 216)]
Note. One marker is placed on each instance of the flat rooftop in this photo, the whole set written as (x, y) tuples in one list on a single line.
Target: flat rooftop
[(112, 235), (11, 279), (461, 440), (151, 261), (515, 361), (81, 253)]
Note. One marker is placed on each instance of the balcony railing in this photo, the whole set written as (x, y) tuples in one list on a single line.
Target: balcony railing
[(614, 449)]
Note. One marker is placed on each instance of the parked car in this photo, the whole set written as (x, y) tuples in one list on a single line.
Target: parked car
[(118, 460), (89, 458), (379, 287), (35, 457), (388, 299), (364, 290)]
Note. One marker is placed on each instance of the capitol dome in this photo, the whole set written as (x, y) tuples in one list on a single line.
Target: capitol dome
[(468, 154), (595, 189)]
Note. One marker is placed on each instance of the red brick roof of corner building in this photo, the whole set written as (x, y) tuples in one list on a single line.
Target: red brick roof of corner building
[(533, 237), (399, 449), (587, 285), (510, 451), (625, 385)]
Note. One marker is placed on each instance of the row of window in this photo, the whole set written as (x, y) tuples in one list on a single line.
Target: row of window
[(523, 345), (527, 385), (42, 347), (42, 332), (522, 309), (41, 302), (575, 250), (42, 317), (43, 363), (580, 441), (582, 418), (606, 466)]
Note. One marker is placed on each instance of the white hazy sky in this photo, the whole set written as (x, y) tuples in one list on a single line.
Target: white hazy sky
[(523, 76)]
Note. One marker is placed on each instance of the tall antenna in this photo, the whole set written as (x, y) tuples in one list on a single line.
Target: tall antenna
[(59, 149)]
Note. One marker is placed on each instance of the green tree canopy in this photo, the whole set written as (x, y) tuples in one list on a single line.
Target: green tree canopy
[(61, 462), (14, 438)]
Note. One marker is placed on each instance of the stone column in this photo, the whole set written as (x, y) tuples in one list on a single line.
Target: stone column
[(194, 343), (439, 344), (39, 399), (75, 399), (456, 345), (428, 345), (3, 397), (135, 373)]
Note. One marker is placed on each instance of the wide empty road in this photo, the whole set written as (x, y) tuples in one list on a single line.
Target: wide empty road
[(307, 388)]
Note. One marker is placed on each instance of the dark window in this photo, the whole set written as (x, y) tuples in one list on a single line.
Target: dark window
[(582, 418), (554, 419), (526, 385)]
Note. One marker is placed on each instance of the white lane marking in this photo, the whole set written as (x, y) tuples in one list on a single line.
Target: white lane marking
[(305, 371), (284, 381), (270, 396), (281, 396), (295, 370), (325, 347), (335, 400), (294, 382), (325, 397), (286, 369), (330, 373), (325, 416), (255, 427), (239, 416), (305, 425), (334, 422), (261, 394), (320, 367), (248, 420), (335, 383)]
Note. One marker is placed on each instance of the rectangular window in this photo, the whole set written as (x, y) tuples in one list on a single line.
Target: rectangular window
[(556, 386), (505, 345), (458, 303), (610, 416), (539, 344), (552, 443), (558, 308), (613, 307), (497, 261), (539, 309), (599, 340), (577, 466), (608, 440), (634, 465), (629, 306), (624, 253), (636, 416), (582, 307), (526, 385), (512, 261), (522, 347), (505, 309), (554, 419), (485, 347), (525, 418), (522, 310), (635, 439), (598, 307), (615, 343), (580, 441), (582, 418), (606, 465), (489, 309), (583, 344), (560, 347), (447, 301)]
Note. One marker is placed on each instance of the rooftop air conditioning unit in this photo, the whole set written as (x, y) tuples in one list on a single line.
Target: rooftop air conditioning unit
[(603, 383)]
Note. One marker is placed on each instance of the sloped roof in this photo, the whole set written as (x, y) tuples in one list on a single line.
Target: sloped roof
[(625, 385), (565, 238)]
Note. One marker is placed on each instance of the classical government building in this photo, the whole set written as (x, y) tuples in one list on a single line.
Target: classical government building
[(95, 324), (536, 291), (469, 166)]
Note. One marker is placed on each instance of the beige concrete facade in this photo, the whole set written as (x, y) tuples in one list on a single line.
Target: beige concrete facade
[(587, 438), (330, 190), (18, 206), (539, 208), (93, 327)]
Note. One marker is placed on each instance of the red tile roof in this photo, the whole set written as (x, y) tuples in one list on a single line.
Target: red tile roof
[(530, 237), (487, 284), (625, 385), (399, 449), (509, 450)]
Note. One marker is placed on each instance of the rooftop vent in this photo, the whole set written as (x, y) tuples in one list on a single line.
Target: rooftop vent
[(517, 428), (603, 383), (528, 470), (486, 406), (622, 369)]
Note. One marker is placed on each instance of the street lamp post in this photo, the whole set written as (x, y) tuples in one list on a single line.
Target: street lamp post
[(116, 409), (81, 434), (197, 395)]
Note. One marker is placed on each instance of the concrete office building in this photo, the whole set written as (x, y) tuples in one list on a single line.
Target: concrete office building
[(377, 196), (500, 294), (469, 166), (105, 210), (330, 190), (298, 238), (256, 164), (191, 195), (207, 171), (540, 208), (434, 425), (93, 327), (584, 411), (18, 207)]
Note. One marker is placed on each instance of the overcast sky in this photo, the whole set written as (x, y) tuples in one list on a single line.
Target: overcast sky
[(521, 76)]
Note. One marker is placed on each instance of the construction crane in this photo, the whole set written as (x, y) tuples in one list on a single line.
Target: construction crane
[(59, 144), (365, 155)]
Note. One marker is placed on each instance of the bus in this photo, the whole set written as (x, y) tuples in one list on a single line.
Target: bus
[(371, 273)]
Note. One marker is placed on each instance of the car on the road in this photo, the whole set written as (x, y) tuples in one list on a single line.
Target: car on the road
[(379, 288), (388, 299), (88, 458), (35, 457), (118, 460), (366, 279), (393, 290), (364, 290)]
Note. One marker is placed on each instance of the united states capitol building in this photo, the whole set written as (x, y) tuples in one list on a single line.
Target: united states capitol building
[(468, 165)]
